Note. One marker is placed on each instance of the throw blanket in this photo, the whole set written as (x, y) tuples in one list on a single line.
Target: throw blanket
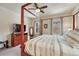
[(49, 45)]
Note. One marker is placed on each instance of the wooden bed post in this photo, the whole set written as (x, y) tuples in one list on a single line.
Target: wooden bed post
[(73, 22), (22, 29)]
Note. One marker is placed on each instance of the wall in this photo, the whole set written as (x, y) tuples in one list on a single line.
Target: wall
[(67, 23), (46, 26), (77, 21), (76, 9), (56, 26), (57, 15), (32, 23), (7, 19)]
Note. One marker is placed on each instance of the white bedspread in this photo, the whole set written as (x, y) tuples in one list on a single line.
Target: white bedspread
[(50, 45)]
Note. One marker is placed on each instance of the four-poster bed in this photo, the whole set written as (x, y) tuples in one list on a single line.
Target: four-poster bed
[(22, 29), (23, 53)]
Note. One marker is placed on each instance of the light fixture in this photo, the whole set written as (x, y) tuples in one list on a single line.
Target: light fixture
[(37, 10)]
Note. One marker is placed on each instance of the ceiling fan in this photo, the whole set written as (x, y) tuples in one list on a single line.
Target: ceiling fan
[(37, 8)]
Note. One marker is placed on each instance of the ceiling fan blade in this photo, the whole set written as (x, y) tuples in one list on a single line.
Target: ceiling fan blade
[(42, 11), (36, 5), (43, 7), (31, 8)]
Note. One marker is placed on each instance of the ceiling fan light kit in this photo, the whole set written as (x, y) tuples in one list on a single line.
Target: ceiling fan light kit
[(37, 10)]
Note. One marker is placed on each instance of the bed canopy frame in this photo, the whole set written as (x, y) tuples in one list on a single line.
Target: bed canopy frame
[(22, 26)]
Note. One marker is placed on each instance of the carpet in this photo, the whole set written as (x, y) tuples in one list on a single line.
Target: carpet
[(13, 51)]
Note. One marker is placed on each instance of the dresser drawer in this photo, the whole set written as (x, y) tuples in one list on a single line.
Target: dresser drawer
[(16, 43), (16, 39)]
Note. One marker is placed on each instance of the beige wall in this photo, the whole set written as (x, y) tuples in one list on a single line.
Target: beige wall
[(32, 22), (7, 18), (57, 15), (48, 29), (76, 16), (56, 25), (76, 9), (67, 23), (77, 21)]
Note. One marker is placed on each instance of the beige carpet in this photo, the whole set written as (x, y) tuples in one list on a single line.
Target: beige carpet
[(14, 51)]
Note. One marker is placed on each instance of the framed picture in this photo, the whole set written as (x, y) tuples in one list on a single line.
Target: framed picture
[(45, 26)]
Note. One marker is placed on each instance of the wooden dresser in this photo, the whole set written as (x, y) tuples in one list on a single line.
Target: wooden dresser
[(16, 38)]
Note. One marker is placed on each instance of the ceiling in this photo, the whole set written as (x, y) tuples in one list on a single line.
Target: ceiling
[(52, 9)]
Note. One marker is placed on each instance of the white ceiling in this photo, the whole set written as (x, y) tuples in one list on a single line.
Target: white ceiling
[(15, 7), (53, 8)]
